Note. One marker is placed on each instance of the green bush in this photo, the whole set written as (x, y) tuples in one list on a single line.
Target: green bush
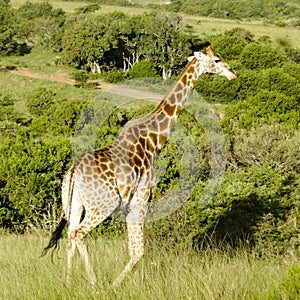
[(217, 89), (232, 42), (266, 107), (289, 288), (30, 179), (81, 77), (115, 76), (40, 101), (275, 146), (143, 69), (7, 109), (257, 208), (255, 56), (246, 204)]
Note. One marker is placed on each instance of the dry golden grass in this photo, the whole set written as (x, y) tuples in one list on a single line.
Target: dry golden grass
[(161, 274)]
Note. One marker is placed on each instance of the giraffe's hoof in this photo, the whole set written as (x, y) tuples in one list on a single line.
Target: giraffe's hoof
[(116, 283)]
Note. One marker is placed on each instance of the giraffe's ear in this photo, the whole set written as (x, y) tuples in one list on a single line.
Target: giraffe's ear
[(209, 50), (199, 55), (203, 45)]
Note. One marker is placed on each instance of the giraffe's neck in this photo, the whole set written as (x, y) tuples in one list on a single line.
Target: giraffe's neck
[(179, 92), (152, 130), (184, 84), (174, 101)]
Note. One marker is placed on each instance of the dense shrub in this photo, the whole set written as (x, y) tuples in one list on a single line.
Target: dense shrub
[(33, 161), (293, 55), (40, 101), (7, 109), (114, 76), (232, 42), (216, 89), (255, 56), (255, 208), (30, 178), (252, 207), (289, 287), (273, 146), (269, 107), (143, 69), (81, 77)]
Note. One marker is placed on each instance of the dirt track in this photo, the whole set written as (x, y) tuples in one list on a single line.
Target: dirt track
[(61, 76)]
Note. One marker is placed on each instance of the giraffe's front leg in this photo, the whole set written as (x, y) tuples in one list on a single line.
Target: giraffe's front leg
[(135, 223)]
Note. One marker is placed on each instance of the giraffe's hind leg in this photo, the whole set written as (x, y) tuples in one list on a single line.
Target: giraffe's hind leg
[(92, 218), (74, 220)]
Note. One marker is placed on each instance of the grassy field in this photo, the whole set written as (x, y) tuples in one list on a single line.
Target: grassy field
[(39, 61), (202, 25), (278, 35), (161, 274)]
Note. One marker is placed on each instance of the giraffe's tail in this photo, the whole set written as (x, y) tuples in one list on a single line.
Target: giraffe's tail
[(56, 235), (66, 199)]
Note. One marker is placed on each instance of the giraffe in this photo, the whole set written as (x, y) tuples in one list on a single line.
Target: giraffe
[(121, 176)]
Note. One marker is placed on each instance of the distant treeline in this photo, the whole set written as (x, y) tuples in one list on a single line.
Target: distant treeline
[(279, 12)]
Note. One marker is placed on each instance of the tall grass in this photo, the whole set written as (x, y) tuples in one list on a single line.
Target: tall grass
[(161, 274)]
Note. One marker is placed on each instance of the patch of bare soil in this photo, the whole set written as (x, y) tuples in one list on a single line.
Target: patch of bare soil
[(61, 76)]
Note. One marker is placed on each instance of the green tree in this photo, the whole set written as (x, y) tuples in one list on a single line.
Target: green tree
[(40, 24), (9, 44), (168, 43), (85, 42), (119, 41)]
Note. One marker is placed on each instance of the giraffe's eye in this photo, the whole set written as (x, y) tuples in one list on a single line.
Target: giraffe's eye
[(217, 60)]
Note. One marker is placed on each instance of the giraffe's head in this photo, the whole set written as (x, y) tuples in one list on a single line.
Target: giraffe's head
[(213, 63)]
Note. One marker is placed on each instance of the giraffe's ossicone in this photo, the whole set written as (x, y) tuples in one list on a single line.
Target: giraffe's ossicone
[(121, 176)]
